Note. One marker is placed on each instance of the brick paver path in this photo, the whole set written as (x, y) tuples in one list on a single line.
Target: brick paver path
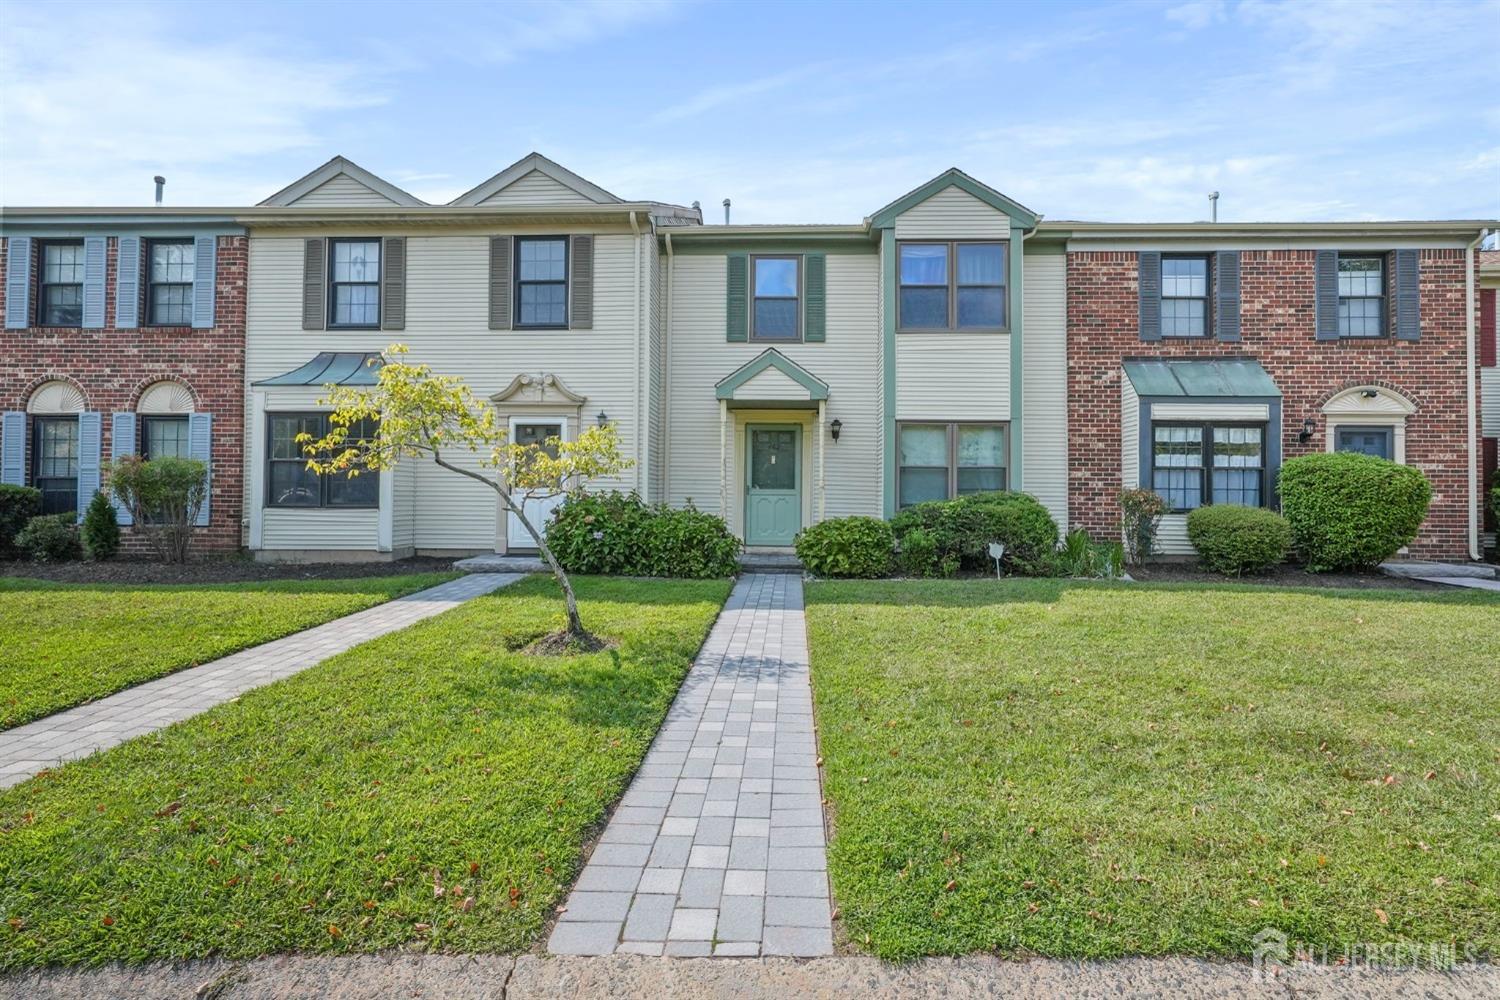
[(718, 845), (101, 724)]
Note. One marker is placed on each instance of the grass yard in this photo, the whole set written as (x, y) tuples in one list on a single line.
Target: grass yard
[(432, 788), (1099, 770), (65, 644)]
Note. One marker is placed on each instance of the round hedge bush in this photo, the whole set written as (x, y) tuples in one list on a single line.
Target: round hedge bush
[(1349, 511), (1238, 540), (618, 533), (960, 532), (847, 546)]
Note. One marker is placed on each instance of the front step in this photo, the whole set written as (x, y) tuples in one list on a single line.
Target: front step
[(497, 563), (1417, 569), (770, 560)]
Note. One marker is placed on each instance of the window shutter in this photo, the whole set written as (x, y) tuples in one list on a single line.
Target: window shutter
[(94, 254), (815, 288), (500, 311), (1326, 281), (89, 439), (737, 298), (128, 284), (200, 447), (1150, 294), (314, 286), (1487, 327), (1227, 295), (581, 289), (393, 283), (205, 277), (1490, 457), (121, 443), (1408, 295), (18, 283), (13, 447)]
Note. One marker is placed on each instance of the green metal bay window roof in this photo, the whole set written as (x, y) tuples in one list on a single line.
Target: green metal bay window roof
[(332, 368), (1230, 377)]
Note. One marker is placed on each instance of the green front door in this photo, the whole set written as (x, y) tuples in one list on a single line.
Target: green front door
[(773, 484)]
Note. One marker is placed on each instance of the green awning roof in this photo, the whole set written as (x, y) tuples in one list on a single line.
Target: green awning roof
[(1238, 377), (332, 368)]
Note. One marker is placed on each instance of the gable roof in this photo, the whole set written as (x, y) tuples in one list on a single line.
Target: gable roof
[(730, 384), (347, 168), (954, 177), (540, 164)]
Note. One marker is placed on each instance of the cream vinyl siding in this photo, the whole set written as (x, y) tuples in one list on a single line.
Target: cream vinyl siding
[(952, 214), (952, 376), (319, 529), (536, 188), (1044, 383), (342, 190), (404, 497), (849, 362), (1130, 435), (1489, 399)]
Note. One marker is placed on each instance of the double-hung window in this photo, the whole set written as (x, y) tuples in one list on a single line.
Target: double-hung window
[(54, 454), (1361, 296), (164, 437), (60, 283), (952, 286), (1197, 464), (289, 483), (542, 282), (777, 312), (169, 287), (1184, 296), (354, 284), (941, 461)]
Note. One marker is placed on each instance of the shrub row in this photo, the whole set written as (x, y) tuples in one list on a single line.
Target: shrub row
[(618, 533)]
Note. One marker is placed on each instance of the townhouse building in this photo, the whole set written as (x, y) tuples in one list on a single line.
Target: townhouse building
[(953, 341)]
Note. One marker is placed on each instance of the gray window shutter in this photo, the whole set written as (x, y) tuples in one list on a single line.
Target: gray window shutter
[(128, 284), (500, 311), (1408, 294), (18, 283), (581, 291), (1150, 294), (205, 277), (314, 287), (121, 443), (393, 283), (13, 448), (737, 298), (94, 254), (815, 306), (200, 447), (90, 430), (1327, 282), (1227, 295)]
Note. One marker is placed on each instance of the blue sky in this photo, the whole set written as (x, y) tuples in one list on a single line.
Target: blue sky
[(799, 112)]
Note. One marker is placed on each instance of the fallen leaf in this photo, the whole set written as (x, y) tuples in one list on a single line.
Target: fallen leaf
[(108, 921), (1381, 916), (950, 886), (169, 809), (1253, 902), (333, 931)]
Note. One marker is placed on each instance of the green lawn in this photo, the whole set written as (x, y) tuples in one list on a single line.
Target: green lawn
[(71, 643), (1099, 770), (431, 788)]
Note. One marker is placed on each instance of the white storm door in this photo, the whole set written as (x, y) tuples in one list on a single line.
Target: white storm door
[(538, 431)]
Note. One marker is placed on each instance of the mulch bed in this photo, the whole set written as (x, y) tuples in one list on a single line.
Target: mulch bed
[(228, 569), (1282, 576)]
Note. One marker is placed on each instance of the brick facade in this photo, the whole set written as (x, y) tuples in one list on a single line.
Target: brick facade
[(112, 367), (1277, 318)]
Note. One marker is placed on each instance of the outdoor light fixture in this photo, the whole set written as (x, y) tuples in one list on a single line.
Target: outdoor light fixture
[(603, 418), (1307, 430), (1370, 393), (836, 428)]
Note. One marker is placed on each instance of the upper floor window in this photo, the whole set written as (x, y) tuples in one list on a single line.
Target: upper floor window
[(1184, 296), (1361, 296), (776, 314), (354, 282), (952, 286), (1195, 464), (542, 282), (60, 281), (290, 483), (169, 290)]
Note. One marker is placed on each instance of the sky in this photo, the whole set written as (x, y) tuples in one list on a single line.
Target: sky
[(799, 112)]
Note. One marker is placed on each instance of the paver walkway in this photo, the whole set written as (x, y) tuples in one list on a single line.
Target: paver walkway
[(718, 845), (101, 724)]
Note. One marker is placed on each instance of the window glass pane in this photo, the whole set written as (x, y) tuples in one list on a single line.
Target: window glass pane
[(981, 307), (980, 480), (924, 308), (544, 435), (166, 437), (981, 446), (59, 448), (171, 305), (543, 260), (776, 276), (1237, 486), (924, 264), (356, 260), (284, 431), (981, 264), (356, 305), (1182, 489), (293, 484), (776, 319), (1360, 276), (62, 305), (773, 460), (1237, 447), (1183, 317), (1185, 276), (1177, 458), (924, 444), (1365, 440), (172, 262), (63, 262), (1178, 446), (544, 305), (359, 491), (918, 485)]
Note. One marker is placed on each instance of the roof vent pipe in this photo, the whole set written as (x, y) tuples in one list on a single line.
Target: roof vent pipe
[(726, 211), (1213, 206), (161, 182)]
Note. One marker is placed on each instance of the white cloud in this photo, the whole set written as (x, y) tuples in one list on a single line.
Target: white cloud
[(713, 98), (1195, 15), (516, 30)]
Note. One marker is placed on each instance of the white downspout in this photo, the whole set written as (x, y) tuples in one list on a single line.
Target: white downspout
[(666, 380), (642, 379), (1471, 376)]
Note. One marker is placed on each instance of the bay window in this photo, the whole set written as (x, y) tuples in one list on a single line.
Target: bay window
[(1196, 464)]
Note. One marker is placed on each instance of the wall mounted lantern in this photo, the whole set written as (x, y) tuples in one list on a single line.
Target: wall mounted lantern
[(1308, 428), (603, 418), (836, 428)]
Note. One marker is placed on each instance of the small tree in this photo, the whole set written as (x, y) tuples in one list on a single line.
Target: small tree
[(420, 414), (164, 497), (1140, 515), (101, 529)]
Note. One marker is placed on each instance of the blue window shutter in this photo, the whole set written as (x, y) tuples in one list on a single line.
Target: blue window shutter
[(93, 283), (121, 443), (1227, 295), (815, 308), (737, 298), (18, 283), (1150, 294), (13, 448), (205, 273), (200, 447), (1408, 289), (1327, 282), (90, 437), (128, 284)]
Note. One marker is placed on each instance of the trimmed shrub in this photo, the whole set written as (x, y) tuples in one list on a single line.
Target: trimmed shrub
[(1238, 540), (18, 505), (617, 533), (962, 529), (687, 543), (101, 529), (1140, 515), (1349, 511), (847, 546), (51, 538), (917, 555), (164, 496)]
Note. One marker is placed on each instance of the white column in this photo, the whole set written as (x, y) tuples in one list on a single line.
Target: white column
[(822, 456), (723, 450)]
